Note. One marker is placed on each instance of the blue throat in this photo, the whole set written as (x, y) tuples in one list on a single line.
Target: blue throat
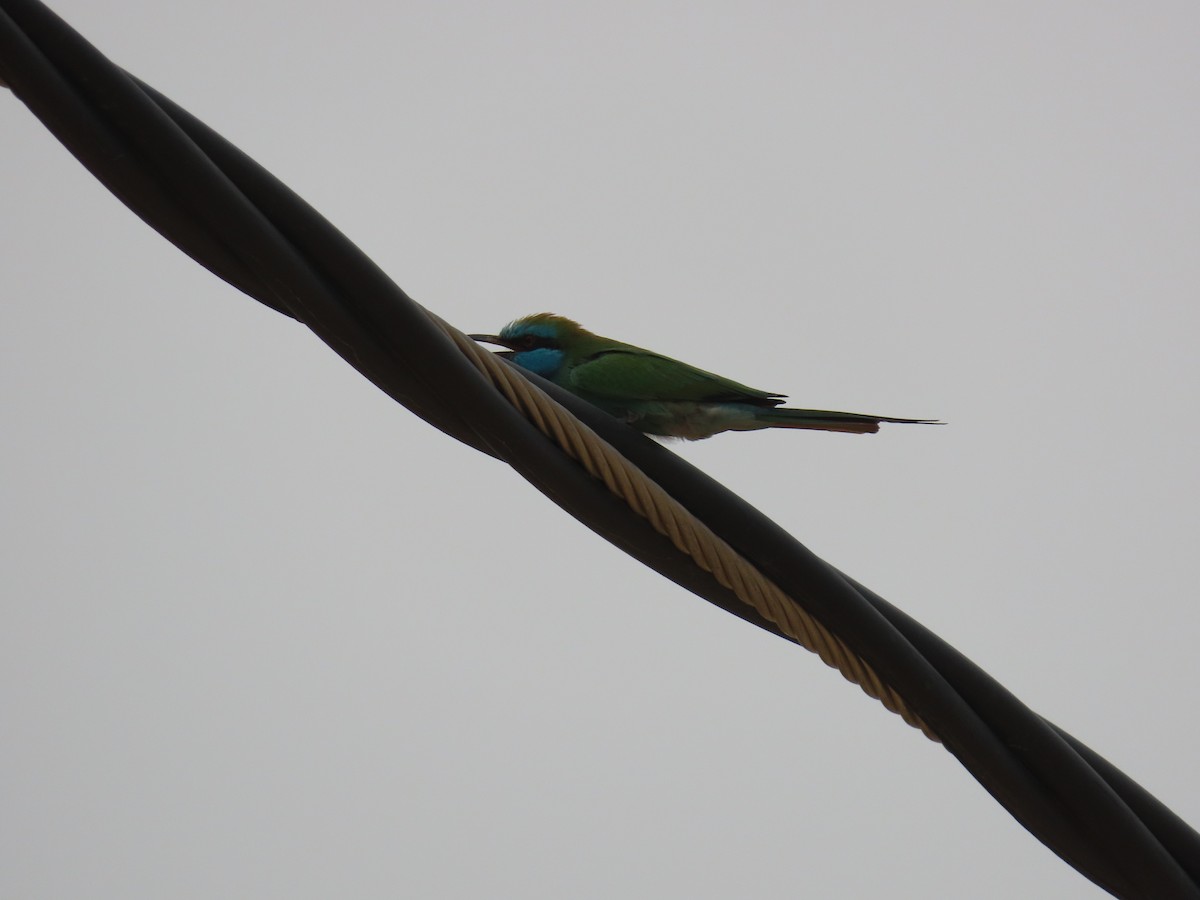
[(544, 361)]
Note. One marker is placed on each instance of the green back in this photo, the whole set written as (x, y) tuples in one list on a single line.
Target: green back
[(620, 371)]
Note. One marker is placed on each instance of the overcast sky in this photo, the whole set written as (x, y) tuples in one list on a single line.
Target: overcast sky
[(266, 634)]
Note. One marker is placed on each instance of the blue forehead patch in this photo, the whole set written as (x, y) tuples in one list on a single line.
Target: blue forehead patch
[(537, 329)]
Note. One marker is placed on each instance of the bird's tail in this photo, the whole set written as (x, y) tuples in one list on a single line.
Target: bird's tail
[(827, 420)]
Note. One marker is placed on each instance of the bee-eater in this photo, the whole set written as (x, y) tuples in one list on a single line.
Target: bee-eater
[(654, 393)]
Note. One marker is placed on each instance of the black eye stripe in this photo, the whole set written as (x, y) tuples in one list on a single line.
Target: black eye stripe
[(535, 342)]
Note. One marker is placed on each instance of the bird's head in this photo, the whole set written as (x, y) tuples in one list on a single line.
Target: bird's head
[(539, 343)]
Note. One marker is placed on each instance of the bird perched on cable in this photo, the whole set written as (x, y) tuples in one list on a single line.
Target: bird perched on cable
[(654, 393)]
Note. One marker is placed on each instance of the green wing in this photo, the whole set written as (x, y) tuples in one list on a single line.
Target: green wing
[(641, 375)]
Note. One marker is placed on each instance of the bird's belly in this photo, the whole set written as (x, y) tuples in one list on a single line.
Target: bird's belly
[(688, 420)]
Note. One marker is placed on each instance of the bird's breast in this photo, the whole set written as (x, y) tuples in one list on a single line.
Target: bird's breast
[(544, 361)]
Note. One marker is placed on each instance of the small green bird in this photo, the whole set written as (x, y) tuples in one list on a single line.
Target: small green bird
[(656, 394)]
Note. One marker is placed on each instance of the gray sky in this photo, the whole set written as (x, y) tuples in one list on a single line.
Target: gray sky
[(266, 634)]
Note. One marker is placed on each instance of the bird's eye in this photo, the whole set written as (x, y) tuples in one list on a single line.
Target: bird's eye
[(527, 342)]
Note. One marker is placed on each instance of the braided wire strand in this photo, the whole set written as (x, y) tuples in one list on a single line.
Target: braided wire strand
[(689, 535)]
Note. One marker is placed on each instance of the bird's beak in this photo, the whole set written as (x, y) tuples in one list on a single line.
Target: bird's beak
[(494, 339)]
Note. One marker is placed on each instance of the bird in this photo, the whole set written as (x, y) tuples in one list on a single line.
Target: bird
[(653, 393)]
